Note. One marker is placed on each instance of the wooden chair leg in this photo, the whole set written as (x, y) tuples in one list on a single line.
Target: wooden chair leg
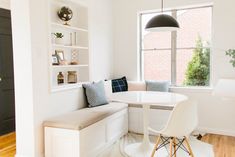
[(156, 145), (174, 141), (171, 143), (189, 147)]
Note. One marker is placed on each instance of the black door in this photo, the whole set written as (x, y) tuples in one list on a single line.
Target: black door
[(7, 98)]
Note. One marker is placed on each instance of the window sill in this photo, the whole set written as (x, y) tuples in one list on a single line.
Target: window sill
[(191, 89)]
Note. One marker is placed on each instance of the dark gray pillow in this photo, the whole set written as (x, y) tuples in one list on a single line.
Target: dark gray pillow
[(161, 86), (120, 85), (95, 94)]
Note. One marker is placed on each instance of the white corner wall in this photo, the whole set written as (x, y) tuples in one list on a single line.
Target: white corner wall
[(23, 78), (5, 4), (101, 30), (34, 102), (215, 114)]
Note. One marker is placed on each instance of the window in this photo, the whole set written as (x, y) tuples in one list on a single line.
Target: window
[(183, 56)]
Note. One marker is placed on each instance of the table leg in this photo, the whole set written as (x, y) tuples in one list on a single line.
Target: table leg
[(146, 142), (145, 148)]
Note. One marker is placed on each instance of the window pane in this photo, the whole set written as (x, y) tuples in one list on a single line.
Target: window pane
[(194, 23), (193, 66), (157, 65), (151, 40), (157, 40), (192, 49)]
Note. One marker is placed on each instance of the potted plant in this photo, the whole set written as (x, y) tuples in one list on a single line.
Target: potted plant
[(59, 38)]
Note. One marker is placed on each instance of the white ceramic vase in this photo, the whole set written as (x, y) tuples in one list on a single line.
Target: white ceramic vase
[(59, 41)]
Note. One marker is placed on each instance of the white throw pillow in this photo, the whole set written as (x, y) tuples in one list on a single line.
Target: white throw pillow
[(136, 86), (108, 89)]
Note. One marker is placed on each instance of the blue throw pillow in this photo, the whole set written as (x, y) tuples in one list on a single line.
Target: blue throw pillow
[(161, 86), (119, 85), (95, 94)]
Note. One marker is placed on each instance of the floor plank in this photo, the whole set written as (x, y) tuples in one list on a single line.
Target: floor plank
[(224, 146), (8, 145)]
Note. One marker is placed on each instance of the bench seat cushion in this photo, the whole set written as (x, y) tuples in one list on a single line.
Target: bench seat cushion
[(83, 118)]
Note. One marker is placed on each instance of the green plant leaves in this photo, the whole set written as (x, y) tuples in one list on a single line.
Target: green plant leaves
[(59, 35), (231, 53), (198, 70)]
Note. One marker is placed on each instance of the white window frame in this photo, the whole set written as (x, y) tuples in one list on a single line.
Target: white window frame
[(173, 47)]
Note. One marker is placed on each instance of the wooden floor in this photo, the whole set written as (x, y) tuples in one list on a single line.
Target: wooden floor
[(224, 146), (7, 145)]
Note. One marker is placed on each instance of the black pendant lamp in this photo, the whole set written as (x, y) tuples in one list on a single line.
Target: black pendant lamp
[(162, 22)]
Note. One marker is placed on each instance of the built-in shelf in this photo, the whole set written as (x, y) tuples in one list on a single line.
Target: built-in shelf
[(75, 44), (68, 86), (69, 47), (68, 27), (70, 66)]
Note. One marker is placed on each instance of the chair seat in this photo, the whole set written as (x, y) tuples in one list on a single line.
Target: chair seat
[(83, 118), (183, 120)]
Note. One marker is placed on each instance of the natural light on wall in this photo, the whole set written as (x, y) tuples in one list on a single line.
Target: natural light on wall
[(183, 57)]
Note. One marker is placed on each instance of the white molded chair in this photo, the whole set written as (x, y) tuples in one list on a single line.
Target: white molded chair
[(182, 122)]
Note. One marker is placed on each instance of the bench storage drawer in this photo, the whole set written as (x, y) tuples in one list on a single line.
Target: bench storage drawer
[(117, 125), (88, 142)]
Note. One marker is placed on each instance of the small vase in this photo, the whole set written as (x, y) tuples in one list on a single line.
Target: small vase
[(72, 77), (59, 41), (60, 78)]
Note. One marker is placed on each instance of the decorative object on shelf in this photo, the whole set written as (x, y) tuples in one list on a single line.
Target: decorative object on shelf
[(162, 22), (60, 78), (61, 58), (231, 53), (71, 39), (65, 14), (55, 60), (60, 54), (72, 77), (74, 57), (59, 38), (75, 38), (64, 62)]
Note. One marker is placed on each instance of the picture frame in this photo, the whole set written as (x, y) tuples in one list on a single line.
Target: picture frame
[(60, 55), (55, 60)]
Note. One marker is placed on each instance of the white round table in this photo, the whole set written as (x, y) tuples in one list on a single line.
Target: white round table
[(161, 100)]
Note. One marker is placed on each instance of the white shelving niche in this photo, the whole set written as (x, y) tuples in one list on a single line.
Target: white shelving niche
[(75, 39)]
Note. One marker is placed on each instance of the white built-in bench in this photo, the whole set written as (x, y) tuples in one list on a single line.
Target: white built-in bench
[(85, 132)]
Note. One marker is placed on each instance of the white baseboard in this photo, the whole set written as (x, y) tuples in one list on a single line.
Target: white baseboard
[(216, 131), (17, 155)]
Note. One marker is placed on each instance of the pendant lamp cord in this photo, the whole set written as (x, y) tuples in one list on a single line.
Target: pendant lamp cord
[(162, 6)]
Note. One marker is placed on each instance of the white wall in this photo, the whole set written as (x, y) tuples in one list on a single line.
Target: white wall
[(23, 78), (34, 101), (215, 115), (101, 26), (5, 4)]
